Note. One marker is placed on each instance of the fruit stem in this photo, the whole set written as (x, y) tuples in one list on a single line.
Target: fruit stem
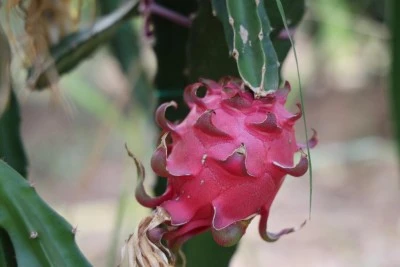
[(169, 14), (150, 7)]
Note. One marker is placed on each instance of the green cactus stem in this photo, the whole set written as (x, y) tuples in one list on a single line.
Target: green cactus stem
[(40, 236), (247, 29)]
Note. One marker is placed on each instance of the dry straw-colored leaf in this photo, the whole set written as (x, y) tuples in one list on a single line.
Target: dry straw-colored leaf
[(142, 251), (5, 75)]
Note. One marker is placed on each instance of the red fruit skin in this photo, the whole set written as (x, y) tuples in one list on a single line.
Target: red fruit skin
[(226, 161)]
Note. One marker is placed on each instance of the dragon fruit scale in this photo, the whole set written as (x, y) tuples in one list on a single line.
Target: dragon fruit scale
[(225, 162)]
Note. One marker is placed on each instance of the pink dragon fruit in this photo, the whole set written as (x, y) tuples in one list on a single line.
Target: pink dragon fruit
[(225, 162)]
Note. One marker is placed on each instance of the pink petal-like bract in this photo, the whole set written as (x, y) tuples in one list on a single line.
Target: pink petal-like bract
[(226, 161)]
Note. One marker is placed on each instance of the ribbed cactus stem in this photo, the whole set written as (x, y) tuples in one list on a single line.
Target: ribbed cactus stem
[(40, 236), (247, 30)]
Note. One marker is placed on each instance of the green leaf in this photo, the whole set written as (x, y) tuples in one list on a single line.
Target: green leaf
[(294, 13), (272, 61), (40, 236), (80, 45), (220, 10), (11, 148), (202, 251), (251, 46), (208, 53), (171, 46), (7, 253)]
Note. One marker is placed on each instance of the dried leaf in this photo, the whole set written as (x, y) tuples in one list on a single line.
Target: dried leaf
[(142, 251), (5, 75)]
